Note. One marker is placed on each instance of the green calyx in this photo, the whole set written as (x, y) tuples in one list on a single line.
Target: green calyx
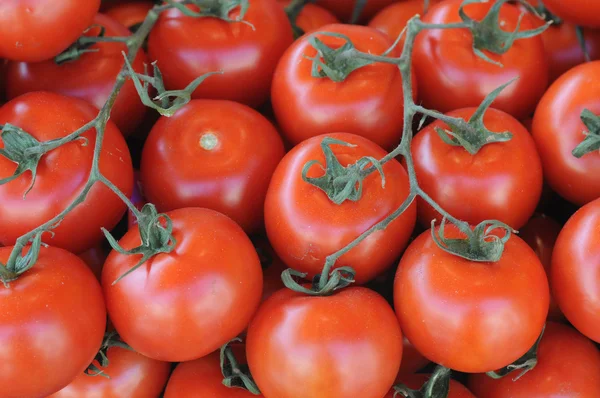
[(293, 10), (591, 142), (235, 375), (543, 11), (437, 386), (474, 135), (111, 339), (20, 263), (339, 278), (340, 183), (523, 365), (156, 238), (487, 33), (214, 8), (81, 46)]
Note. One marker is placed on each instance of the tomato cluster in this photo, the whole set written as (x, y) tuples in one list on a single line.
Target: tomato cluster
[(293, 198)]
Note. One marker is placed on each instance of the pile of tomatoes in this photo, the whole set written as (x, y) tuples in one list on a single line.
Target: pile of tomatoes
[(165, 278)]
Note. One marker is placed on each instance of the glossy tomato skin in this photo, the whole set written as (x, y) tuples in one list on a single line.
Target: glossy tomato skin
[(343, 9), (579, 12), (503, 181), (202, 378), (305, 226), (188, 47), (183, 165), (345, 345), (558, 129), (450, 76), (130, 13), (62, 174), (368, 103), (568, 366), (200, 296), (393, 19), (37, 30), (463, 314), (91, 77), (416, 381), (131, 376), (52, 320), (575, 268), (312, 16)]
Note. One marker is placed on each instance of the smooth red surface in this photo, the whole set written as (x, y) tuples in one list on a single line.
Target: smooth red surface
[(130, 13), (416, 381), (343, 9), (312, 16), (580, 12), (95, 258), (62, 174)]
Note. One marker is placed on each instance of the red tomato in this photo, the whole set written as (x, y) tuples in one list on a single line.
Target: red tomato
[(137, 198), (187, 47), (415, 381), (558, 129), (62, 174), (470, 316), (95, 258), (343, 9), (130, 13), (214, 154), (345, 345), (305, 226), (37, 30), (312, 16), (503, 181), (368, 103), (412, 360), (575, 270), (52, 321), (131, 376), (579, 12), (393, 19), (91, 77), (540, 234), (202, 378), (451, 76), (272, 267), (568, 366), (199, 296)]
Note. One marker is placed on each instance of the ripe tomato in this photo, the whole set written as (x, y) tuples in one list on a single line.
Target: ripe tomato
[(568, 366), (463, 314), (343, 9), (312, 16), (540, 234), (130, 13), (579, 12), (214, 154), (345, 345), (451, 76), (412, 360), (200, 296), (37, 30), (187, 47), (95, 258), (575, 268), (91, 77), (131, 376), (368, 103), (558, 129), (415, 381), (305, 226), (52, 320), (393, 19), (62, 174), (503, 181)]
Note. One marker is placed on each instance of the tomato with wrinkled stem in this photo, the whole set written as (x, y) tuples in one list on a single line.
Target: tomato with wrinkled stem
[(305, 226), (578, 12), (91, 77), (214, 154), (344, 9), (200, 296), (568, 366), (558, 129), (451, 76), (130, 13), (130, 375), (312, 16), (502, 181), (62, 174), (393, 19), (470, 316), (347, 344), (38, 30), (416, 381), (247, 53), (52, 319), (575, 270)]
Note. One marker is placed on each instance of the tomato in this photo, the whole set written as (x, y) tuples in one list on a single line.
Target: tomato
[(451, 76), (540, 234), (575, 270), (131, 13), (187, 47), (199, 296), (52, 322), (37, 30), (345, 345), (62, 174), (579, 12), (131, 376), (415, 381), (272, 267), (202, 378), (214, 154), (393, 19), (91, 77), (137, 199), (568, 366), (412, 360), (503, 181), (312, 16), (95, 258), (368, 103), (470, 316), (343, 9), (305, 226), (558, 129)]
